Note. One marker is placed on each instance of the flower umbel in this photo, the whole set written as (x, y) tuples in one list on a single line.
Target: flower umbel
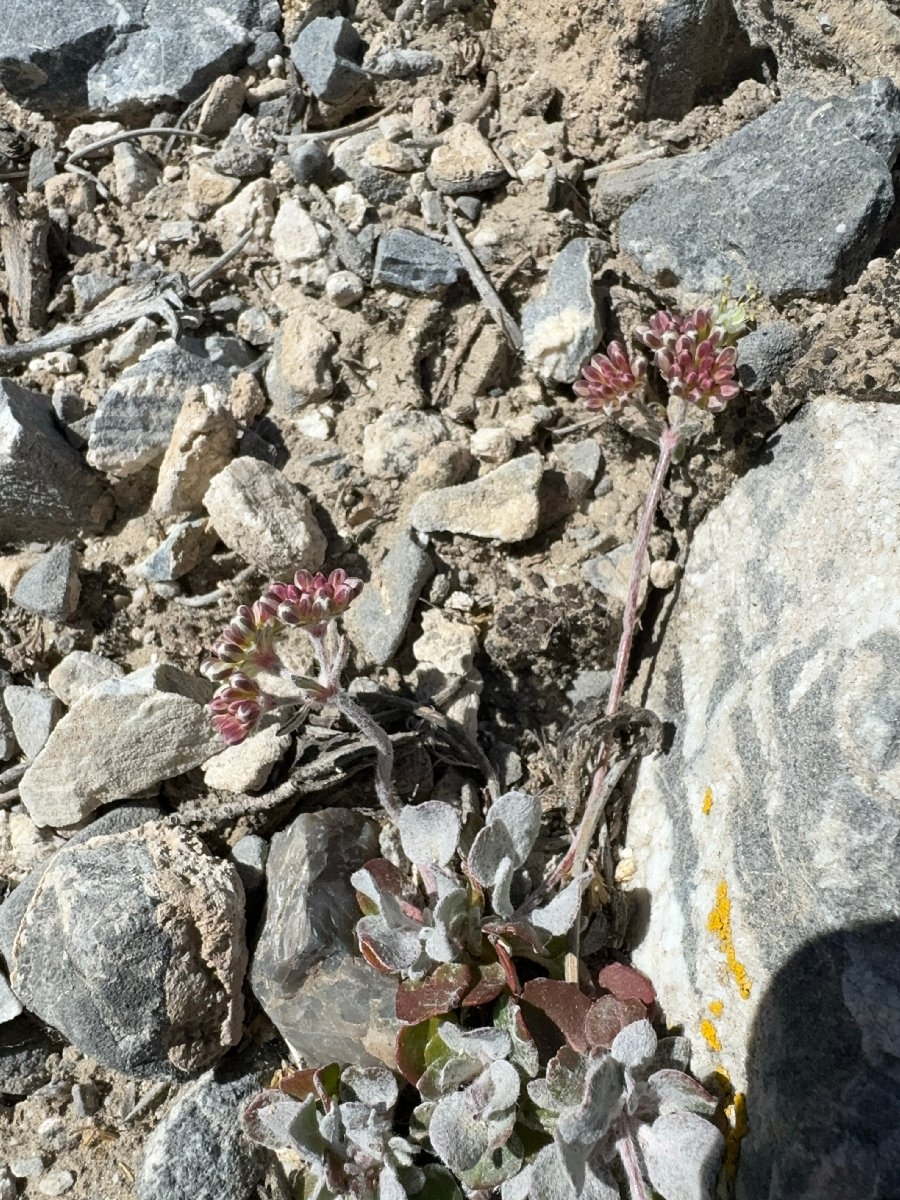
[(611, 380)]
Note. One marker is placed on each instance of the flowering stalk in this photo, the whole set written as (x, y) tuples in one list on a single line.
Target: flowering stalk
[(696, 358), (247, 650)]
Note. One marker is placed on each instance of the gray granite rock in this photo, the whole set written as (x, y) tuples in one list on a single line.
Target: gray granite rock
[(136, 416), (503, 505), (24, 1049), (10, 1004), (34, 714), (327, 54), (765, 206), (414, 263), (308, 162), (766, 355), (199, 1149), (265, 518), (51, 587), (79, 671), (307, 973), (614, 191), (132, 946), (122, 737), (46, 491), (765, 836), (393, 62), (377, 184), (561, 329), (105, 56), (381, 614), (249, 855), (185, 545), (693, 47)]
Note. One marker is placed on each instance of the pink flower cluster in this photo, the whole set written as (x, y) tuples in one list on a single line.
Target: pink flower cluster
[(611, 380), (246, 646)]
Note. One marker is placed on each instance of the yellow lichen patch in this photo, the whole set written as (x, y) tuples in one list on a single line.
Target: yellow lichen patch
[(716, 1007), (707, 802), (711, 1036), (720, 923), (738, 1128)]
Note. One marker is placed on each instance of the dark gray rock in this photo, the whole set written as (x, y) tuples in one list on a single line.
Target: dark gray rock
[(386, 603), (307, 973), (8, 745), (51, 587), (766, 354), (46, 491), (394, 63), (105, 55), (378, 185), (469, 207), (241, 157), (33, 713), (186, 544), (249, 856), (265, 46), (24, 1049), (199, 1150), (414, 263), (135, 417), (765, 835), (116, 820), (693, 47), (614, 191), (561, 329), (132, 946), (767, 207), (327, 55), (309, 163)]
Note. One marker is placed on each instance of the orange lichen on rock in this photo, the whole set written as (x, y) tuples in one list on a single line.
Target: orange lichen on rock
[(716, 1007), (720, 923), (707, 802), (738, 1128), (710, 1035)]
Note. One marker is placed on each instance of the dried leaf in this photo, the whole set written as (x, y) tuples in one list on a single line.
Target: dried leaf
[(566, 1006), (438, 993), (626, 983), (429, 833), (682, 1154)]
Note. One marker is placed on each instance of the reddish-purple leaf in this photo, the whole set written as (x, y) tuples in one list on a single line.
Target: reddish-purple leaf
[(388, 877), (490, 981), (368, 953), (439, 993), (565, 1004), (625, 983), (298, 1084), (608, 1017)]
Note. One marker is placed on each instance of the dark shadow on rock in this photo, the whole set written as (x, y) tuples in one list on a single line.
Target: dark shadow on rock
[(823, 1096)]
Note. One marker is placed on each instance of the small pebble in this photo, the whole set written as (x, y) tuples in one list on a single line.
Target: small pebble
[(57, 1183), (28, 1168), (344, 288), (663, 573)]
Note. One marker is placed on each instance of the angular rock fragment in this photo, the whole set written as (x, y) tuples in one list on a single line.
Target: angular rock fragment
[(561, 329), (327, 54), (202, 443), (79, 671), (46, 491), (120, 738), (247, 766), (382, 612), (766, 354), (465, 163), (301, 370), (326, 1001), (51, 587), (34, 714), (414, 263), (502, 505), (185, 545), (132, 946), (266, 519)]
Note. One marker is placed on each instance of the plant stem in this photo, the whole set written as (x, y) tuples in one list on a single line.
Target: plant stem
[(384, 765), (574, 862), (629, 1156)]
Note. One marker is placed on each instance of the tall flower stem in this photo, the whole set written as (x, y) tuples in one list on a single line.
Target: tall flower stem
[(629, 1156), (576, 858)]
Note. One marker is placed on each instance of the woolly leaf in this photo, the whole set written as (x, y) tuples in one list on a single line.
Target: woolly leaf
[(549, 1180), (490, 982), (394, 949), (495, 1091), (375, 1087), (524, 1052), (447, 1075), (673, 1091), (601, 1103), (458, 1136), (275, 1121), (486, 1044), (412, 1041), (682, 1154), (561, 913), (635, 1046), (608, 1017), (435, 995), (442, 942), (673, 1053), (562, 1086), (520, 814), (494, 1167), (429, 833), (389, 1186), (512, 825), (565, 1005), (500, 893), (378, 877), (626, 983)]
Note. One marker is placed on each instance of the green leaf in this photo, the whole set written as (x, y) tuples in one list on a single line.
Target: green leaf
[(494, 1167), (412, 1044)]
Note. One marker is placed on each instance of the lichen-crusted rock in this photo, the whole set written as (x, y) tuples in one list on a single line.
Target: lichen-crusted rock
[(774, 211), (133, 947), (326, 1001), (766, 835), (199, 1149), (503, 504), (561, 329), (123, 736), (46, 491), (265, 518)]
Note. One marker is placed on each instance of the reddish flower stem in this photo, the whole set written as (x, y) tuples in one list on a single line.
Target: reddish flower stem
[(628, 1154), (574, 861)]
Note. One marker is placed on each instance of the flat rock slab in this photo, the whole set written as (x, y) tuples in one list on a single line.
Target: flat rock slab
[(766, 836), (383, 611), (107, 55), (133, 947), (503, 505), (51, 587), (767, 207), (326, 1001), (118, 740), (46, 491)]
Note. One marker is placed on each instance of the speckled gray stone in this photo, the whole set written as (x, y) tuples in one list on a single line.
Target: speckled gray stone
[(34, 714), (382, 612), (561, 328), (765, 836), (766, 355), (326, 1001), (414, 263), (185, 545), (51, 587), (327, 55)]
